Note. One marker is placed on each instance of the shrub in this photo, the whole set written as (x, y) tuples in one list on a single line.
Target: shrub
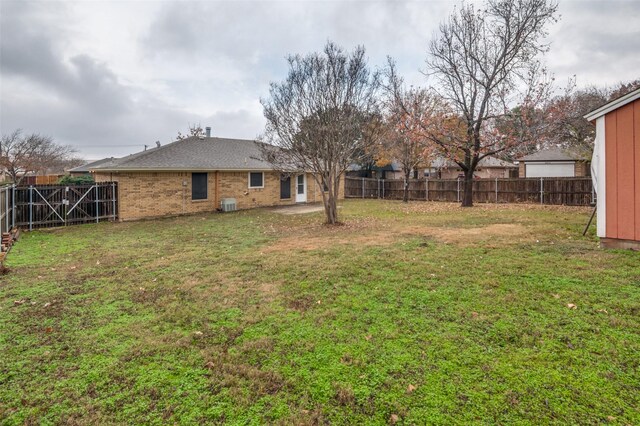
[(76, 180)]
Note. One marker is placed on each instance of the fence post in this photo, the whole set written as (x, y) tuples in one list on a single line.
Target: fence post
[(13, 207), (113, 195), (496, 190), (362, 187), (426, 189), (65, 203), (6, 212), (378, 188), (30, 207), (6, 209), (593, 195), (541, 190), (97, 205), (383, 189), (458, 189)]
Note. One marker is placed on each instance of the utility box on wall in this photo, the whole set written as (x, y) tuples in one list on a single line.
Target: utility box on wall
[(228, 204)]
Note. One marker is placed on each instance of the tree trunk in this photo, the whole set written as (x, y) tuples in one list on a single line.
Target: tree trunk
[(330, 200), (405, 195), (467, 194), (331, 209)]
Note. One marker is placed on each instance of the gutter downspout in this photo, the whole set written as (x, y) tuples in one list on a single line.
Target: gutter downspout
[(216, 196)]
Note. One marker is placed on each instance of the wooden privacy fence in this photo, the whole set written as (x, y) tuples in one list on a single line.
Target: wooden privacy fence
[(40, 180), (38, 206), (558, 191)]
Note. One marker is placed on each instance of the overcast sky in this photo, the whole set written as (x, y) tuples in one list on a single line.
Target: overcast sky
[(109, 77)]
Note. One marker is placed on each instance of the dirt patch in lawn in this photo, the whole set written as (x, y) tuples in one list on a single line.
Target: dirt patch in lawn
[(499, 233)]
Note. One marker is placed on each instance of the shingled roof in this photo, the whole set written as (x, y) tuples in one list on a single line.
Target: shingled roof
[(85, 168), (552, 154), (194, 153)]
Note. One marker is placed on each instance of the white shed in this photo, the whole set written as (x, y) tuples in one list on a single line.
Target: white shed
[(553, 163)]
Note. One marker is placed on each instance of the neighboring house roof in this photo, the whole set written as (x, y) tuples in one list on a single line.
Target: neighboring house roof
[(552, 154), (393, 167), (194, 153), (486, 162), (613, 105), (85, 168)]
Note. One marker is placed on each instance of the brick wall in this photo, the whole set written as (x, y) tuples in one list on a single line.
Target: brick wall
[(236, 185), (156, 194), (582, 168), (522, 170)]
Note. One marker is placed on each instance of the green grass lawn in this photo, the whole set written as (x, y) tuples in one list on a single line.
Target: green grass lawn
[(423, 313)]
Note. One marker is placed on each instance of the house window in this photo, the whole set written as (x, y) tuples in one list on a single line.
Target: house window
[(256, 180), (325, 187), (285, 187), (198, 186)]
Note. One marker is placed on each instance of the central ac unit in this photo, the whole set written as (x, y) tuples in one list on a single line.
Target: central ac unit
[(228, 204)]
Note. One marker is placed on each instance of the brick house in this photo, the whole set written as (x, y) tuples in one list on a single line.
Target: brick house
[(194, 175)]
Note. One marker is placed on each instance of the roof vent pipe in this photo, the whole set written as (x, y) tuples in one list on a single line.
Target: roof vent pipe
[(158, 144), (208, 131)]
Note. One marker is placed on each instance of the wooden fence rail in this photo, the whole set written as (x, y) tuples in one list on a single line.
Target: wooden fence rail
[(37, 206), (558, 191)]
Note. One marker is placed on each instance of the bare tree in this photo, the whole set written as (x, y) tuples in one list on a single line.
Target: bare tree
[(623, 88), (322, 118), (564, 114), (23, 154), (486, 62), (194, 130), (567, 128), (560, 122), (406, 140)]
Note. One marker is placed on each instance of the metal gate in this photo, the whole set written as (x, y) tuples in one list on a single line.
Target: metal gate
[(6, 221), (38, 206)]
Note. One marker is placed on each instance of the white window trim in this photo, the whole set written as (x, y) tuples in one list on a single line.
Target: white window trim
[(249, 181)]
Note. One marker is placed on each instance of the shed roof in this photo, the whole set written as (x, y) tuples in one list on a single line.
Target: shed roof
[(194, 153), (613, 105), (552, 154)]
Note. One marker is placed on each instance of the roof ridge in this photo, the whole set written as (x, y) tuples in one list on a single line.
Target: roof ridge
[(142, 154)]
